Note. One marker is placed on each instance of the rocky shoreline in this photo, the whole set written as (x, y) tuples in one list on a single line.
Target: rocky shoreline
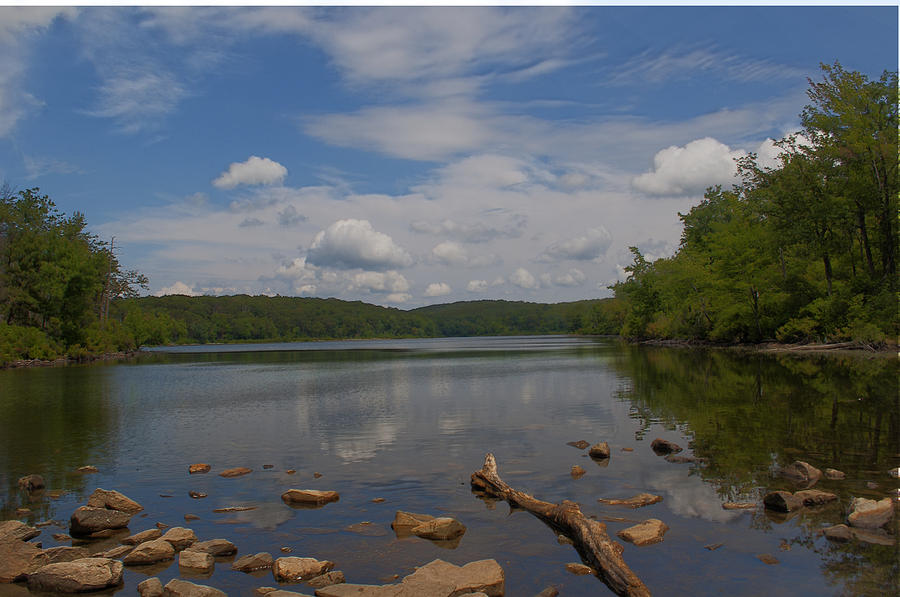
[(66, 360)]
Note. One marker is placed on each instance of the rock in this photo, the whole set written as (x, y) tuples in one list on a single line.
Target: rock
[(840, 533), (196, 560), (235, 472), (317, 475), (190, 517), (834, 474), (767, 559), (80, 576), (15, 529), (435, 579), (268, 466), (869, 514), (801, 473), (197, 495), (87, 520), (580, 444), (646, 533), (18, 558), (216, 547), (23, 511), (406, 521), (87, 470), (638, 501), (31, 482), (335, 577), (578, 569), (599, 451), (378, 500), (113, 500), (679, 459), (107, 534), (61, 537), (65, 554), (150, 552), (148, 535), (182, 588), (814, 497), (179, 537), (117, 553), (290, 471), (782, 501), (199, 468), (440, 529), (234, 509), (286, 549), (312, 497), (161, 525), (713, 546), (739, 506), (664, 446), (150, 588), (258, 561), (577, 472), (548, 592), (876, 537), (294, 569), (279, 592)]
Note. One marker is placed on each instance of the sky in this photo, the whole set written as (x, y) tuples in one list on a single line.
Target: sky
[(405, 156)]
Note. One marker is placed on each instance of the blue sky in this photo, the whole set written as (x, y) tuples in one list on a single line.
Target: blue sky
[(404, 156)]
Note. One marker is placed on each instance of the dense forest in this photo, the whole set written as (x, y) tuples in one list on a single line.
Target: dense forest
[(805, 251)]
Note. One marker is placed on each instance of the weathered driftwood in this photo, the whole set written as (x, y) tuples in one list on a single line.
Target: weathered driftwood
[(593, 544)]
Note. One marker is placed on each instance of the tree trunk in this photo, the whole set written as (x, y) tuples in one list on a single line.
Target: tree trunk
[(864, 237), (593, 544), (826, 260)]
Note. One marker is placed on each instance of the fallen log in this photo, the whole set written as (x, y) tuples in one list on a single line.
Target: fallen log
[(589, 536)]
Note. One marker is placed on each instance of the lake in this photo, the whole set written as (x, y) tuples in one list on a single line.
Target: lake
[(410, 420)]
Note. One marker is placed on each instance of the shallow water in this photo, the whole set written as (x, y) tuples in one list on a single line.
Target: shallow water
[(410, 420)]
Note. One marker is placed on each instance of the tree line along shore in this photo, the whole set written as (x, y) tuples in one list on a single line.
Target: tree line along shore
[(801, 252)]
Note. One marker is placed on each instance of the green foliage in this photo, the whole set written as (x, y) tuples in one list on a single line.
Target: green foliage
[(798, 253)]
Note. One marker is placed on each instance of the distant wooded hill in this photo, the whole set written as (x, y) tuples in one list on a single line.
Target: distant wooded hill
[(204, 319)]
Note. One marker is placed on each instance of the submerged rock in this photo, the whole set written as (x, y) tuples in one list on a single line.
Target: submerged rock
[(80, 576), (767, 559), (440, 529), (435, 579), (814, 497), (646, 533), (664, 446), (577, 472), (580, 444), (739, 506), (801, 473), (294, 569), (599, 451), (257, 561), (235, 472), (405, 521), (313, 497), (637, 501), (31, 483), (782, 501), (834, 474)]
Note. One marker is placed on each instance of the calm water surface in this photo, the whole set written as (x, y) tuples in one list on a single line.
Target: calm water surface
[(410, 420)]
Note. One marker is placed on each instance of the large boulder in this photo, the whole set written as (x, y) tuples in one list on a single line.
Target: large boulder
[(293, 569), (646, 533), (182, 588), (663, 446), (18, 558), (216, 547), (257, 561), (870, 514), (65, 554), (87, 520), (329, 578), (196, 560), (435, 579), (137, 538), (309, 497), (152, 587), (801, 473), (179, 537), (113, 500), (150, 552), (14, 529), (79, 576)]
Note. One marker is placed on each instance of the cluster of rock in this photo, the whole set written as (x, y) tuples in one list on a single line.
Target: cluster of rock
[(867, 520)]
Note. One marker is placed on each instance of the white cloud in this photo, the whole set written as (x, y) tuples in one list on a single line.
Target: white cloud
[(573, 277), (477, 285), (592, 245), (438, 289), (254, 171), (177, 288), (349, 244), (690, 169), (523, 279), (290, 217), (449, 253), (380, 282), (398, 297), (473, 232), (490, 170), (136, 99)]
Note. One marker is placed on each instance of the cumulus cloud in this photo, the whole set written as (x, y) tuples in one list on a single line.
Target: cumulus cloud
[(177, 288), (380, 282), (589, 246), (449, 253), (523, 279), (690, 169), (290, 217), (350, 244), (573, 277), (472, 232), (254, 171), (438, 289), (477, 285)]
